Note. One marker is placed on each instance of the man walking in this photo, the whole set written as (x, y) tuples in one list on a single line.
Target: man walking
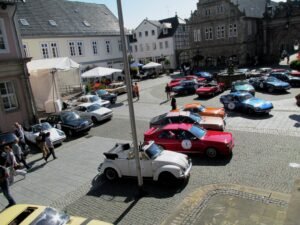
[(168, 90), (136, 90), (19, 131), (5, 186)]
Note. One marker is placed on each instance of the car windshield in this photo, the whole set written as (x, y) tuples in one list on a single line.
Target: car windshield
[(153, 151), (245, 97), (93, 107), (102, 92), (197, 131), (94, 98), (69, 116), (243, 86), (51, 216), (195, 117), (41, 127), (272, 79), (201, 108)]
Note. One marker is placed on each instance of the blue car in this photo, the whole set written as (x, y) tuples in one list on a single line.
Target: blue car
[(206, 75), (269, 84), (186, 87), (245, 102)]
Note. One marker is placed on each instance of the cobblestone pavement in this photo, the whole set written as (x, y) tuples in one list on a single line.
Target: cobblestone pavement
[(264, 148)]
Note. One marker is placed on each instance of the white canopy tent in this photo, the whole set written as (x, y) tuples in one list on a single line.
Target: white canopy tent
[(50, 78), (152, 65), (100, 72)]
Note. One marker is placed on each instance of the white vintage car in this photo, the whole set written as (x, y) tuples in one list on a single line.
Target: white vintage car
[(94, 112), (156, 163), (91, 99), (56, 136)]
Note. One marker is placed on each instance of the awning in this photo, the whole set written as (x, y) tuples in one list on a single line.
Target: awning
[(152, 65), (63, 63), (100, 72)]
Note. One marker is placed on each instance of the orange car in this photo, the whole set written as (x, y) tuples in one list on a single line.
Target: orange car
[(204, 111)]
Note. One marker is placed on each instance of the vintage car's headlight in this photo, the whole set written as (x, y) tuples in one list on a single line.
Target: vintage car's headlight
[(60, 133)]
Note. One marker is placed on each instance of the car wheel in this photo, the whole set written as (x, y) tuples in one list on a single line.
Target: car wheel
[(250, 111), (70, 133), (94, 119), (211, 153), (270, 89), (167, 179), (111, 174), (231, 106)]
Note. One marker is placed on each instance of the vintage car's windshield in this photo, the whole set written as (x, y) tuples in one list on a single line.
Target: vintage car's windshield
[(94, 98), (272, 79), (197, 131), (41, 127), (51, 216), (153, 151), (195, 117), (93, 107), (102, 92), (70, 116)]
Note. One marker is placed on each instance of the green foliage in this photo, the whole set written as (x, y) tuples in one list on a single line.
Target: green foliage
[(167, 62), (88, 88), (295, 65)]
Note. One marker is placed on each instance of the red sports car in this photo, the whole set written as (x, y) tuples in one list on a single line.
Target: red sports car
[(190, 138), (210, 89)]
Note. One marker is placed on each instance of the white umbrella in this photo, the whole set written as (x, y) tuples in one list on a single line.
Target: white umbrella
[(152, 65), (100, 72)]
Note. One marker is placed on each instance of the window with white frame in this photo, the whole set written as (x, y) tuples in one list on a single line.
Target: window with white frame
[(45, 50), (25, 48), (135, 48), (220, 32), (232, 31), (72, 48), (197, 35), (3, 38), (8, 95), (220, 9), (166, 44), (108, 46), (54, 49), (140, 34), (95, 47), (154, 45), (208, 33), (207, 12), (80, 48), (120, 45), (160, 45)]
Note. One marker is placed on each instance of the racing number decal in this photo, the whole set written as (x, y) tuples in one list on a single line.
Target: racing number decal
[(186, 144)]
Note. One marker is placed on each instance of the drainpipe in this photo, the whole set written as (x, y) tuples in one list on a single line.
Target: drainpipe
[(31, 107)]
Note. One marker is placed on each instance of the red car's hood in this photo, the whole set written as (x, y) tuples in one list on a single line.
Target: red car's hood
[(217, 136), (174, 84), (205, 89)]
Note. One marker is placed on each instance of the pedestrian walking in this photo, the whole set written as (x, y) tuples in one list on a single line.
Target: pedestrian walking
[(19, 154), (4, 185), (41, 141), (136, 90), (173, 103), (50, 146), (12, 164), (168, 90), (19, 131)]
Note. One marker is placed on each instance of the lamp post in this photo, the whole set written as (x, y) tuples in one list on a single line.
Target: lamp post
[(129, 95)]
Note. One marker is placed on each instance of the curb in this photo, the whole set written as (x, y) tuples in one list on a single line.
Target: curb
[(193, 200)]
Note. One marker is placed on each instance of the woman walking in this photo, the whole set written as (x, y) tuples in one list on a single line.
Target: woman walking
[(19, 154), (50, 146)]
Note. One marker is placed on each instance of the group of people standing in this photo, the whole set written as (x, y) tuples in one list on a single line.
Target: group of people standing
[(13, 159)]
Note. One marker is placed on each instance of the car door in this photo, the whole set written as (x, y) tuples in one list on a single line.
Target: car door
[(168, 140), (145, 163), (190, 143)]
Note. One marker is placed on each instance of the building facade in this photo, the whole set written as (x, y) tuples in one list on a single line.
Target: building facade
[(281, 30), (222, 30), (85, 32), (158, 40), (16, 99)]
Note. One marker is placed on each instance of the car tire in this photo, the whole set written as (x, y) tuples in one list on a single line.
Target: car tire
[(70, 133), (94, 119), (270, 89), (231, 106), (111, 174), (167, 179), (211, 153), (250, 111)]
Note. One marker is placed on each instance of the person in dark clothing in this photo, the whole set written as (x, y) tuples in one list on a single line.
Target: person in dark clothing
[(4, 185), (41, 141), (50, 146), (173, 103), (168, 91)]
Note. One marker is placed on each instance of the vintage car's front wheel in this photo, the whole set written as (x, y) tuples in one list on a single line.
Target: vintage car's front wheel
[(111, 174), (211, 153), (167, 179)]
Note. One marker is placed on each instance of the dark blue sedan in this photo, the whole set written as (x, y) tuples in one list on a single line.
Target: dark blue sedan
[(245, 102), (186, 87), (208, 76), (269, 84)]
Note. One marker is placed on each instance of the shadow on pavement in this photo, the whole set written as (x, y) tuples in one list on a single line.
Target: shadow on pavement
[(247, 116), (296, 118), (119, 104), (127, 190), (204, 161)]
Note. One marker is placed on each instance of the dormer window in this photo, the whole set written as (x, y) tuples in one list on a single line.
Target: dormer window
[(24, 22), (52, 23), (165, 31), (86, 23)]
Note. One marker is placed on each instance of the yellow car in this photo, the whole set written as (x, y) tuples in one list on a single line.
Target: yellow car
[(22, 214)]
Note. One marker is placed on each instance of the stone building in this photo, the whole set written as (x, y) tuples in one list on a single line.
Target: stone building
[(281, 30), (222, 30)]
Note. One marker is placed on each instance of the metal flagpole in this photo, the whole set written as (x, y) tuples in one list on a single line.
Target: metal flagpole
[(129, 95)]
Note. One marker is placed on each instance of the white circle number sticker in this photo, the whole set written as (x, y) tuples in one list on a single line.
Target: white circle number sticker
[(186, 144)]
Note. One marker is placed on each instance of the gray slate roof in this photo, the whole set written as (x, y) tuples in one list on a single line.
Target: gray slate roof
[(69, 17), (252, 8)]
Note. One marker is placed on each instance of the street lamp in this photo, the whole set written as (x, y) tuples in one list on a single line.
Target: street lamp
[(129, 95)]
